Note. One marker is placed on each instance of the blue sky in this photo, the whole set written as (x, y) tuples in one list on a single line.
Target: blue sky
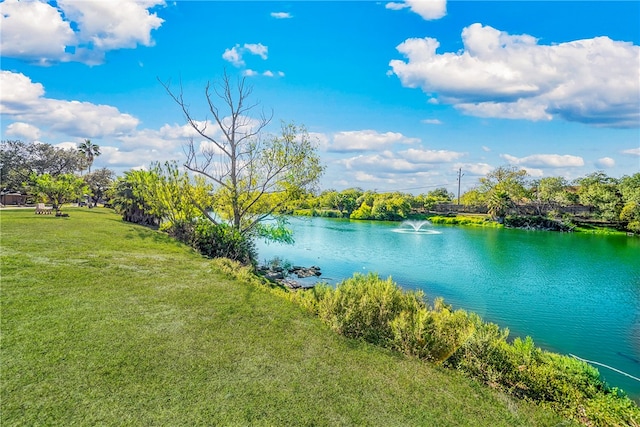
[(399, 95)]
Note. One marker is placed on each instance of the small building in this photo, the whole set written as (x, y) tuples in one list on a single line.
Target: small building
[(13, 199)]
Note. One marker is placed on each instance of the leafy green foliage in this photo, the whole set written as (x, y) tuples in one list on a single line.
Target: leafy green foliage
[(222, 241), (99, 182), (601, 192), (18, 160), (378, 311), (90, 151), (177, 198), (131, 198), (58, 190), (364, 307)]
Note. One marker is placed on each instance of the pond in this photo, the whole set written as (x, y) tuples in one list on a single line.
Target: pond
[(572, 293)]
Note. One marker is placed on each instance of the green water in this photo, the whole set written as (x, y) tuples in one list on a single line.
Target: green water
[(572, 293)]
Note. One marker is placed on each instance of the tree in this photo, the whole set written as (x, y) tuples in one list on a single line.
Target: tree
[(439, 195), (177, 198), (18, 160), (253, 174), (629, 187), (99, 182), (549, 193), (90, 151), (601, 192), (131, 198), (58, 190), (508, 179), (499, 205)]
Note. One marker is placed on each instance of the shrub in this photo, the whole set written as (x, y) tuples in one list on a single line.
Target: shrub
[(378, 311), (223, 241), (433, 334), (484, 355), (364, 307)]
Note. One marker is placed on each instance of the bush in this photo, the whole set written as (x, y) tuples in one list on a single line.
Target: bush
[(378, 311), (432, 334), (223, 241), (364, 307)]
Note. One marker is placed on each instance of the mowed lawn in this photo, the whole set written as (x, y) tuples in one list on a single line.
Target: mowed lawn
[(109, 323)]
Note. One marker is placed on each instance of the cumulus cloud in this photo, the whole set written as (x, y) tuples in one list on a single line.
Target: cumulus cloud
[(24, 101), (23, 131), (427, 9), (398, 170), (80, 31), (430, 156), (281, 15), (476, 169), (593, 81), (235, 54), (605, 162), (367, 140), (545, 160), (632, 151), (382, 162)]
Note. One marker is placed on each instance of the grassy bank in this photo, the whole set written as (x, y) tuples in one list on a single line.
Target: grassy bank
[(107, 323)]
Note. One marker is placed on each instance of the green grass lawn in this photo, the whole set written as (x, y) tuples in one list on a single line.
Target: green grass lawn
[(108, 323)]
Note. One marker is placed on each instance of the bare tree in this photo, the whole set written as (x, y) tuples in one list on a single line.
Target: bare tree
[(254, 173)]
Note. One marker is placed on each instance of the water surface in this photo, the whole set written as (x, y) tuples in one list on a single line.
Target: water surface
[(572, 293)]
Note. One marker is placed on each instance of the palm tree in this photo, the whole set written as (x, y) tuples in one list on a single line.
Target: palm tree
[(499, 204), (90, 151)]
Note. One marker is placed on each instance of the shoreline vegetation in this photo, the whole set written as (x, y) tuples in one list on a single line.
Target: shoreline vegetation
[(505, 196), (93, 278), (524, 222)]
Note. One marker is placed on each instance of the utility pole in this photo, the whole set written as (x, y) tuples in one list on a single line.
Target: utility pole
[(460, 175)]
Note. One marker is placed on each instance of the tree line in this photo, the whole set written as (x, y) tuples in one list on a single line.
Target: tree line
[(505, 192)]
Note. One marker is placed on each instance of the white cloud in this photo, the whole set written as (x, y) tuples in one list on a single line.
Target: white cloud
[(545, 160), (115, 157), (23, 131), (74, 30), (24, 101), (486, 149), (496, 74), (113, 24), (430, 156), (605, 162), (281, 15), (534, 172), (67, 145), (432, 122), (476, 169), (377, 163), (367, 140), (235, 54), (632, 151), (33, 30), (427, 9), (257, 49), (249, 73)]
